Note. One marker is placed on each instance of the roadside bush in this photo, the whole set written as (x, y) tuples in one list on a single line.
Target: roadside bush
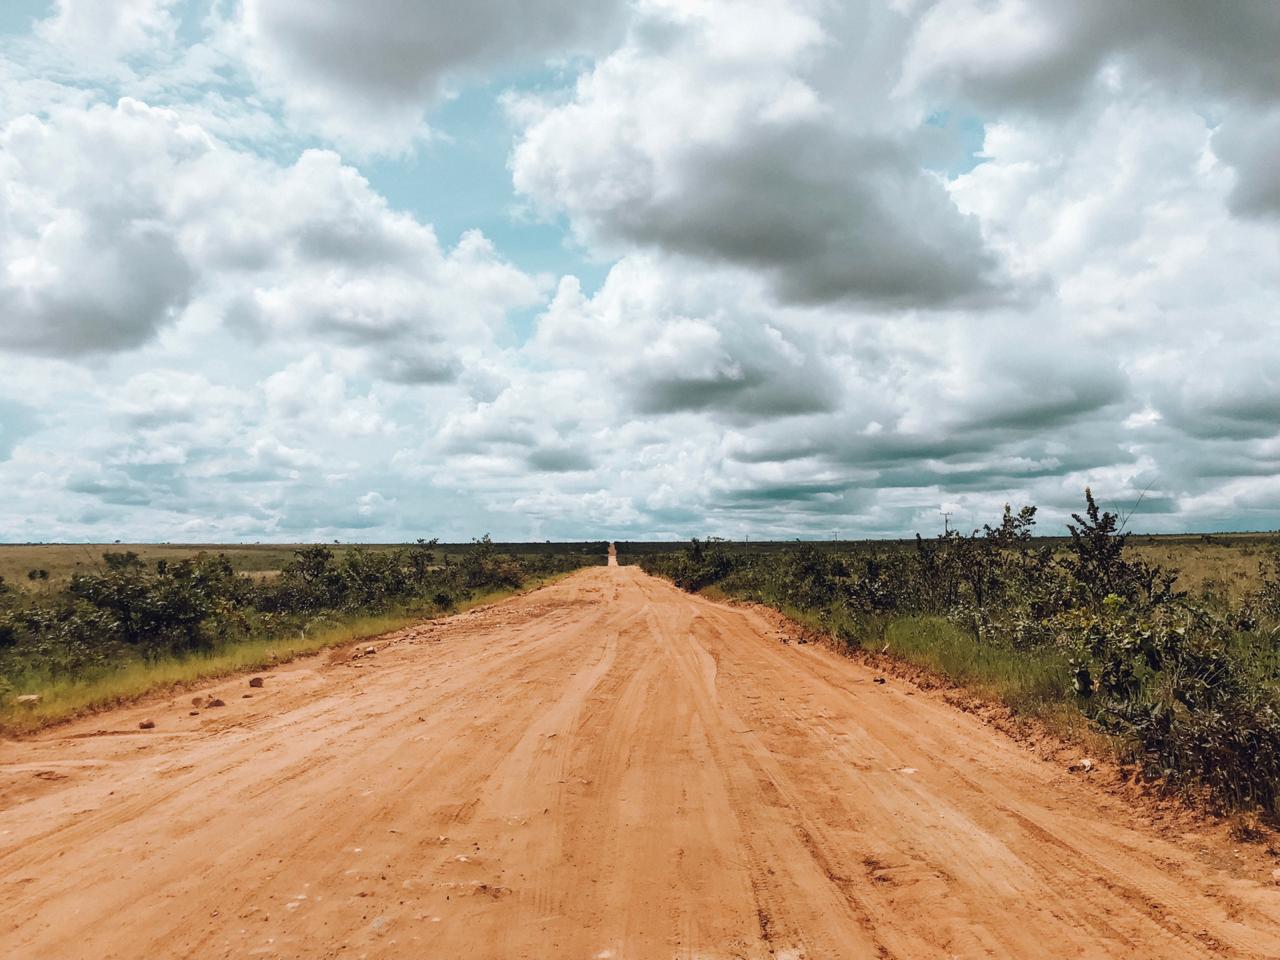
[(1261, 608), (1171, 684), (65, 638), (483, 567), (162, 611), (704, 563), (1099, 565)]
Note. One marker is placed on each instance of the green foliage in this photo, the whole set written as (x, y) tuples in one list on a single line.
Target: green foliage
[(65, 638), (170, 609), (1173, 682), (703, 564), (1260, 609), (483, 566), (1100, 567)]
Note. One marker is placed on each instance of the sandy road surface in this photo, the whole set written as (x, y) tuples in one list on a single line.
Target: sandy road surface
[(604, 768)]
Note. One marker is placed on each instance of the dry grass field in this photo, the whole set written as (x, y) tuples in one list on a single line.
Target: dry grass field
[(63, 560), (1219, 565)]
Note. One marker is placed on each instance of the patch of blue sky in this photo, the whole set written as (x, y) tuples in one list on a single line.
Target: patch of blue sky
[(191, 16), (966, 133), (459, 181), (16, 16)]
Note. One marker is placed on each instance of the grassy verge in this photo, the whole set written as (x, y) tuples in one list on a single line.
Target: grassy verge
[(1030, 683), (63, 700)]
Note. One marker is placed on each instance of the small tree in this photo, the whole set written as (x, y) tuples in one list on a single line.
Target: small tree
[(1099, 566)]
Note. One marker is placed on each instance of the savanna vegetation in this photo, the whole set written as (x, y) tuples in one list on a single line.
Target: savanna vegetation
[(125, 624), (1092, 631)]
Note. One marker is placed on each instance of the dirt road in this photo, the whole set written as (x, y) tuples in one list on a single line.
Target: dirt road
[(604, 768)]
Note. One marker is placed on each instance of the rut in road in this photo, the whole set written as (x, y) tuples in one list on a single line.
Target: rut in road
[(603, 768)]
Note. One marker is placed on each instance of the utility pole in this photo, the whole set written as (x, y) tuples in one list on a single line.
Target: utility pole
[(946, 522)]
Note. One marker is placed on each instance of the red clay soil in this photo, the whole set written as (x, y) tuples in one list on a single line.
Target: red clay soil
[(603, 768)]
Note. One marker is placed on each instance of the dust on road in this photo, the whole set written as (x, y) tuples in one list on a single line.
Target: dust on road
[(604, 768)]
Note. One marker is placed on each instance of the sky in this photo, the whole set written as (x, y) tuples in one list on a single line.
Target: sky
[(275, 270)]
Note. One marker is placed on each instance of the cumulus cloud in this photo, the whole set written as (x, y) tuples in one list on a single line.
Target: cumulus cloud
[(725, 133), (1039, 54), (673, 342), (119, 217), (1041, 57), (365, 74), (100, 29), (91, 261)]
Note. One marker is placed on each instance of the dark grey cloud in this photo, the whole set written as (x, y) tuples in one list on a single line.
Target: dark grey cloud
[(1042, 54), (1243, 416), (366, 73), (1035, 389), (1234, 397), (115, 286), (830, 217), (559, 460), (792, 492), (1251, 144), (411, 368), (749, 394), (389, 49)]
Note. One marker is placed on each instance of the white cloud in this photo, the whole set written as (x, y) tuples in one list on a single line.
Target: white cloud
[(1041, 54), (117, 217), (732, 135), (670, 339), (1043, 58), (103, 29), (91, 260)]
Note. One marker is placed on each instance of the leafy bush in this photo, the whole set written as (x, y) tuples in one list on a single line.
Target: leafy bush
[(163, 611), (1169, 681), (1100, 567)]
